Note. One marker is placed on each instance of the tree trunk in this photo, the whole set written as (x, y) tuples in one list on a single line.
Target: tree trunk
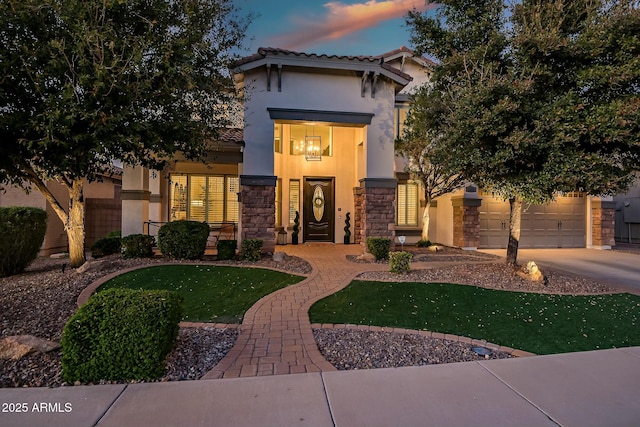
[(75, 225), (74, 220), (515, 215), (425, 221)]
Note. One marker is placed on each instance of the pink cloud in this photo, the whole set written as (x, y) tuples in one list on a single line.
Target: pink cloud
[(342, 19)]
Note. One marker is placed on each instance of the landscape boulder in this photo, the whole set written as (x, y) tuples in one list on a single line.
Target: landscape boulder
[(367, 257), (532, 272), (17, 346)]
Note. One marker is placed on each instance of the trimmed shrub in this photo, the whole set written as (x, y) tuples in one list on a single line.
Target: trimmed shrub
[(226, 249), (115, 233), (183, 239), (106, 246), (138, 246), (423, 243), (22, 231), (379, 247), (400, 262), (121, 334), (251, 250)]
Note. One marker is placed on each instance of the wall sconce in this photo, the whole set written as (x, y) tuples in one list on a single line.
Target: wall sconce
[(313, 148)]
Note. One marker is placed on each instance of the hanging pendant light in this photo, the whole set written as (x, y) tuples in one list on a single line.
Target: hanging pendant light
[(312, 146)]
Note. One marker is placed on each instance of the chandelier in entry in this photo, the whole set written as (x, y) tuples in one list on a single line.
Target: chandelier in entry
[(313, 148)]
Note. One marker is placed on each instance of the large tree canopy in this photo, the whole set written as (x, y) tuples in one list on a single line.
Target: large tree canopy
[(418, 144), (534, 99), (83, 82)]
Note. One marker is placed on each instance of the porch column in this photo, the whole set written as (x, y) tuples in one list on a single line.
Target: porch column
[(378, 211), (602, 223), (155, 200), (135, 199), (258, 209), (466, 222), (357, 215)]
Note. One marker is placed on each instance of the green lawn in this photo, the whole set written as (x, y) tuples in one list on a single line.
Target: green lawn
[(211, 293), (538, 323)]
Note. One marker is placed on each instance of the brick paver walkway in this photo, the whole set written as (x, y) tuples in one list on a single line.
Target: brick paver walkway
[(275, 336)]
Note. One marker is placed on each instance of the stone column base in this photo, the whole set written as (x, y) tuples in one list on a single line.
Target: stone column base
[(378, 209), (357, 215), (466, 222), (258, 210), (603, 224)]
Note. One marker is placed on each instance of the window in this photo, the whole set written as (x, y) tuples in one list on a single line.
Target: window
[(297, 140), (279, 202), (294, 199), (277, 137), (206, 198), (399, 117), (407, 203)]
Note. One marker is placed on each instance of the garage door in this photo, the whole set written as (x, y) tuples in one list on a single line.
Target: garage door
[(559, 224)]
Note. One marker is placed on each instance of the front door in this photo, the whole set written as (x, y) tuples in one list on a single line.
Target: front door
[(318, 210)]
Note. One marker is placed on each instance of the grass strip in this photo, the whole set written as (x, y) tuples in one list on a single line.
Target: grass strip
[(539, 323), (219, 294)]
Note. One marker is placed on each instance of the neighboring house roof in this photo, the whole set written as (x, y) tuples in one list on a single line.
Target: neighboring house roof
[(235, 135), (404, 51), (269, 56)]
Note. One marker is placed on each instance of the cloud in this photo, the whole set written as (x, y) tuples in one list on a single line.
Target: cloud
[(341, 20)]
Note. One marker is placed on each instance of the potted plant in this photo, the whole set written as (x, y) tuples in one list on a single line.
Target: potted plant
[(347, 229), (296, 229)]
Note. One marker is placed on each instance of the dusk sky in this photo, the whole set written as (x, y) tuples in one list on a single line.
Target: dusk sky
[(348, 27)]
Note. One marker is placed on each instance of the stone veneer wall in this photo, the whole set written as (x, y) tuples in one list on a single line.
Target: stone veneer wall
[(603, 223), (378, 209), (258, 198), (357, 215), (466, 222)]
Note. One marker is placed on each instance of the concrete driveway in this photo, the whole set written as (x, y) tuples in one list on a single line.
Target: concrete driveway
[(616, 268)]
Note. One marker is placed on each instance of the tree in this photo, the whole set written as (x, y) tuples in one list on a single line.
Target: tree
[(535, 99), (84, 82), (417, 145)]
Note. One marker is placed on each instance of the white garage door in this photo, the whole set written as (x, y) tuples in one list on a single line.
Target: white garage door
[(559, 224)]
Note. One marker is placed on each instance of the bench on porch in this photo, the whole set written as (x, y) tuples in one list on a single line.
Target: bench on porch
[(221, 231), (217, 231)]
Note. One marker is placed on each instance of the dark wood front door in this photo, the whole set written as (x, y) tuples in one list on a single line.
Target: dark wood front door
[(318, 210)]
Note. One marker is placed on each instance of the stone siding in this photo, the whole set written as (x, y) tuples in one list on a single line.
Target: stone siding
[(603, 223), (357, 215), (466, 222), (378, 213), (259, 214)]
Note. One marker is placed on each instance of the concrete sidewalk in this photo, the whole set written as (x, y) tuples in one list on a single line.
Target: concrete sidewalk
[(599, 388)]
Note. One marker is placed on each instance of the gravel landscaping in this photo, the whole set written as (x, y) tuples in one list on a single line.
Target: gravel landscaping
[(40, 301)]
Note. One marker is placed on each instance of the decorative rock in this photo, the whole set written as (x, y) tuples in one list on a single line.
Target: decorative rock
[(59, 255), (435, 248), (89, 266), (278, 256), (17, 346), (532, 272), (368, 257)]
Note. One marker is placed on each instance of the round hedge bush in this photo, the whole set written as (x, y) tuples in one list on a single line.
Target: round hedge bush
[(121, 334), (183, 239), (22, 231)]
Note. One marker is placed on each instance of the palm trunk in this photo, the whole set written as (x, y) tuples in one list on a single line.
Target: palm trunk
[(75, 225), (425, 221), (515, 215)]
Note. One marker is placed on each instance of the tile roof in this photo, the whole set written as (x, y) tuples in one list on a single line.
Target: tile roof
[(263, 52), (231, 135), (404, 49)]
